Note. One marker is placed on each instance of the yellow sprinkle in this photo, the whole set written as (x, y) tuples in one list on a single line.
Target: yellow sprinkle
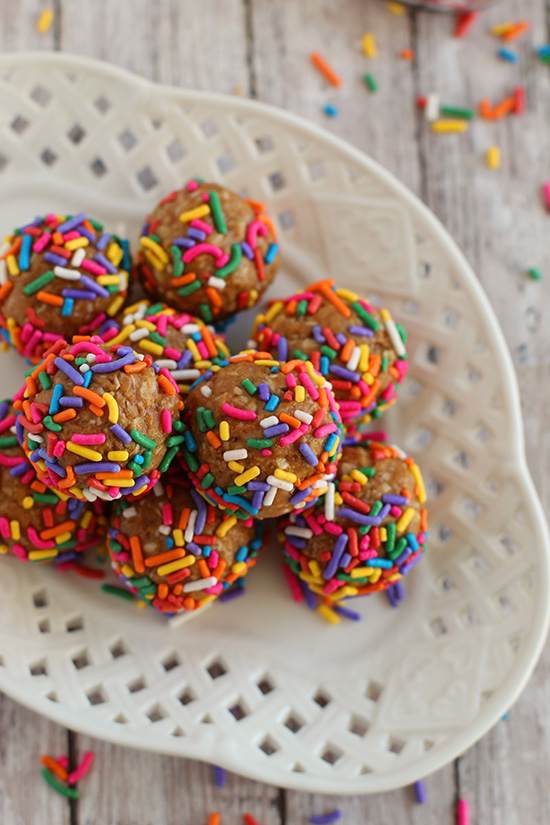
[(76, 244), (156, 248), (146, 325), (367, 378), (44, 22), (223, 348), (236, 467), (415, 470), (273, 310), (205, 599), (41, 555), (347, 591), (117, 455), (63, 537), (226, 526), (76, 492), (358, 476), (405, 520), (86, 519), (179, 537), (247, 476), (310, 578), (224, 431), (115, 305), (84, 452), (4, 550), (364, 358), (493, 157), (154, 261), (122, 335), (375, 575), (299, 394), (266, 363), (361, 572), (385, 315), (105, 280), (338, 498), (179, 564), (252, 298), (314, 567), (150, 346), (285, 476), (193, 347), (395, 577), (128, 571), (202, 364), (28, 502), (445, 126), (13, 266), (383, 533), (199, 212), (501, 28), (112, 407), (395, 8), (369, 45), (239, 567), (329, 614), (15, 530), (119, 482), (115, 254)]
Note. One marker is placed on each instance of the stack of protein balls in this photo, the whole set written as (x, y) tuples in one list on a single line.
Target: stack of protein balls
[(137, 424)]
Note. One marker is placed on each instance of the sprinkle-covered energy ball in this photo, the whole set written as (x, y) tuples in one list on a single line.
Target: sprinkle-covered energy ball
[(207, 251), (59, 276), (99, 420), (358, 347), (38, 524), (263, 437), (365, 535), (180, 343), (178, 551)]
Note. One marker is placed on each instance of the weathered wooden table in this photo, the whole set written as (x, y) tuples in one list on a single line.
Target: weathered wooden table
[(260, 48)]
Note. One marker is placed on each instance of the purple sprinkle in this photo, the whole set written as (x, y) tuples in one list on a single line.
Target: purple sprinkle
[(143, 481), (403, 557), (258, 499), (297, 541), (4, 407), (341, 338), (399, 590), (360, 518), (79, 294), (309, 596), (196, 234), (326, 819), (97, 466), (186, 242), (52, 258), (282, 349), (420, 792), (349, 614), (355, 330), (390, 594), (264, 392), (103, 241), (19, 469), (202, 511), (337, 553), (342, 372), (345, 560), (232, 594), (384, 511), (194, 548), (73, 375), (93, 286), (406, 567), (121, 434), (86, 233), (308, 454), (72, 223), (185, 359), (278, 429), (299, 496), (113, 366), (248, 251), (55, 467), (219, 776), (67, 401), (106, 263), (261, 486), (318, 335), (390, 498)]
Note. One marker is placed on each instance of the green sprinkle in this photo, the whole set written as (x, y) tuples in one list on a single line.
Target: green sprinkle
[(141, 581), (203, 426), (113, 590), (209, 419), (345, 578), (113, 288), (402, 333), (178, 265), (249, 386), (364, 529), (158, 339), (259, 443), (205, 311), (233, 262), (155, 238), (154, 309), (384, 364), (455, 111), (38, 283), (369, 472), (174, 440), (390, 537), (45, 498), (44, 379), (365, 316), (136, 468), (371, 83), (190, 459), (399, 547), (54, 783), (143, 440), (147, 590), (375, 509), (79, 361), (301, 309), (189, 288), (169, 457), (235, 490), (9, 441), (178, 426), (147, 455), (115, 545), (328, 351), (535, 274), (207, 481), (217, 213), (96, 225), (51, 425)]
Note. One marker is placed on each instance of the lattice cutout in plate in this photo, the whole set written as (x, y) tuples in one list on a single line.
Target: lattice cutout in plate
[(356, 708)]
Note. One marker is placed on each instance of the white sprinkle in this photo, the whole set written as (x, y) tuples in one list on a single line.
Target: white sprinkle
[(137, 334), (84, 368), (130, 512), (189, 329), (3, 272), (395, 338), (165, 529), (206, 391), (353, 361), (329, 502), (397, 449), (200, 584), (235, 455), (269, 422), (139, 356), (321, 483), (78, 257), (38, 438), (301, 532), (158, 489), (184, 375), (431, 112), (280, 483), (66, 274), (123, 281), (251, 344), (303, 416), (91, 358), (269, 497), (4, 248), (167, 363), (217, 283), (190, 529)]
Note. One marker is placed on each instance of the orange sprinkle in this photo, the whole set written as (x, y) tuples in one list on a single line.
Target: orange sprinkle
[(407, 54), (87, 225), (209, 342), (166, 385), (375, 363), (89, 395), (163, 590), (204, 570), (189, 603), (289, 419), (323, 398), (54, 767), (508, 105), (50, 298), (120, 474), (327, 71), (291, 307), (331, 296), (214, 296), (291, 365), (137, 367), (57, 238), (163, 558), (423, 519), (213, 439), (64, 527), (5, 289), (64, 415), (14, 248), (31, 385), (515, 31), (219, 570), (256, 205), (485, 110), (367, 401), (347, 349), (214, 818), (270, 223), (184, 279), (137, 554), (38, 486), (184, 518), (308, 481)]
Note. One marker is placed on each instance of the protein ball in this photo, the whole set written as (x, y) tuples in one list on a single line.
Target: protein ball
[(262, 437), (176, 551), (180, 343), (59, 276), (207, 251), (38, 524), (365, 535), (358, 347), (99, 420)]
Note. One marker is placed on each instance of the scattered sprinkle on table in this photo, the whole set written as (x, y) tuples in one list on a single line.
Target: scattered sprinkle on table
[(326, 819), (113, 590), (465, 22), (330, 110), (507, 54), (462, 812), (447, 126), (44, 22), (395, 8), (369, 45), (214, 818), (493, 157), (515, 31), (370, 83), (55, 772), (546, 194), (248, 819), (219, 776), (420, 792), (327, 71), (501, 28), (535, 275), (457, 111), (407, 54)]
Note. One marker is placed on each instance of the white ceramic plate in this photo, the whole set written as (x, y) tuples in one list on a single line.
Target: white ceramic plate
[(356, 708)]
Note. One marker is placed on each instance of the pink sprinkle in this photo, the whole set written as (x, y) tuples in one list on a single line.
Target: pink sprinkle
[(19, 551), (96, 322), (201, 346), (52, 336), (167, 516), (71, 236), (35, 414), (462, 812), (314, 525), (213, 560), (292, 552), (192, 186), (88, 346), (166, 421), (290, 380), (88, 438), (326, 429), (332, 404), (111, 333), (11, 461), (26, 332), (266, 452), (546, 193), (248, 522), (34, 339), (63, 761), (20, 394), (331, 586), (379, 435), (222, 260), (330, 527), (27, 477), (93, 267), (388, 392), (396, 511), (83, 768), (7, 423), (114, 492), (196, 223), (402, 367), (368, 554), (421, 538), (59, 448), (293, 436), (170, 352), (202, 249), (42, 242), (205, 197), (217, 588), (235, 412), (37, 541), (308, 385), (293, 584), (5, 531), (162, 324), (254, 229)]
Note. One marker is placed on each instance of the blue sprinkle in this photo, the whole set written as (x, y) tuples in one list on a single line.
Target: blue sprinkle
[(57, 392), (326, 819), (25, 253), (241, 553), (139, 459), (169, 542), (271, 253), (87, 378), (272, 404), (544, 51), (330, 110), (506, 54), (67, 308)]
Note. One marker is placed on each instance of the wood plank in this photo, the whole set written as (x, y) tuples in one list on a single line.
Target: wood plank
[(25, 797)]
